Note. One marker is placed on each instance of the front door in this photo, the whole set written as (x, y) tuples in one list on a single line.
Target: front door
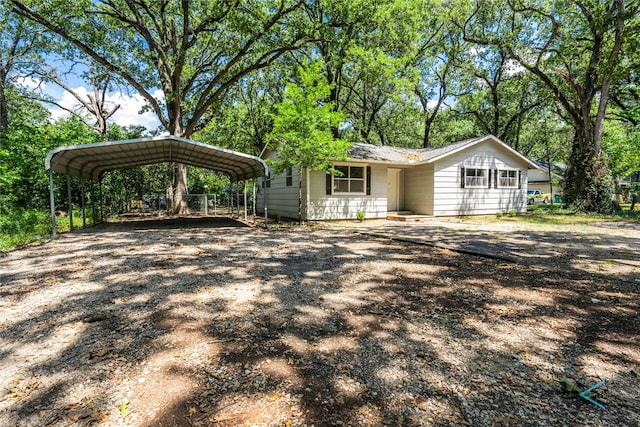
[(393, 190)]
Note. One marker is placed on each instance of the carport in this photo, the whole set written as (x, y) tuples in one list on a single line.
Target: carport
[(93, 161)]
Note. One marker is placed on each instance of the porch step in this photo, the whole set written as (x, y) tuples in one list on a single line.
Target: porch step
[(405, 216)]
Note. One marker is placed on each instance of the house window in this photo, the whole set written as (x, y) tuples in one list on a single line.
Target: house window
[(507, 178), (351, 180), (475, 178), (289, 177)]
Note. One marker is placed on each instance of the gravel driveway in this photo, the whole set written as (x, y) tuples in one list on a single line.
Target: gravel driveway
[(208, 322)]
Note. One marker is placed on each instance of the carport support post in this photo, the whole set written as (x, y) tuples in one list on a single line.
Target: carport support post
[(101, 200), (52, 203), (266, 210), (253, 200), (245, 200), (70, 205), (238, 198), (84, 215)]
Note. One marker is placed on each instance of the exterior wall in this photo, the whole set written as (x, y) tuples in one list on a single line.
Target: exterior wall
[(419, 189), (317, 205), (451, 199), (429, 189), (282, 199), (323, 207)]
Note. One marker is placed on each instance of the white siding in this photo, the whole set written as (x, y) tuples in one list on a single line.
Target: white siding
[(322, 206), (282, 199), (431, 189), (419, 189), (451, 199)]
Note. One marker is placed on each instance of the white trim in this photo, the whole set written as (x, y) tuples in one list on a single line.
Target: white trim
[(349, 179), (478, 141), (486, 177), (515, 178)]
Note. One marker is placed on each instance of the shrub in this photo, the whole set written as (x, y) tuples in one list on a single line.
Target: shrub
[(20, 226), (360, 216), (499, 214), (512, 212)]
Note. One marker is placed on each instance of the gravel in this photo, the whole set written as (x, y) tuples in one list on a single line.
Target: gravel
[(213, 323)]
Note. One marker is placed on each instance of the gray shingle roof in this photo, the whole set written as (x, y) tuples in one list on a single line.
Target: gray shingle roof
[(401, 155)]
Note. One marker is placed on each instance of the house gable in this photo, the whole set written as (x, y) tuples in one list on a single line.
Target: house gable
[(466, 180)]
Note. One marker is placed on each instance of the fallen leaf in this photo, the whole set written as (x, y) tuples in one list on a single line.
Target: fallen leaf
[(123, 409)]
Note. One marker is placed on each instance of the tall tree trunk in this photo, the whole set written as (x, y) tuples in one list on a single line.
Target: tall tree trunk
[(4, 110), (588, 185), (180, 190), (634, 191), (427, 132), (180, 179)]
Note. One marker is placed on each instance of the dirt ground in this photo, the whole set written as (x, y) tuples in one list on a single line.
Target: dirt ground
[(209, 322)]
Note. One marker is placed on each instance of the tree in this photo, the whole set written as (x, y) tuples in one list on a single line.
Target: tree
[(193, 51), (573, 47), (621, 143), (438, 63), (302, 135), (19, 43), (338, 26), (498, 93), (94, 109), (245, 118)]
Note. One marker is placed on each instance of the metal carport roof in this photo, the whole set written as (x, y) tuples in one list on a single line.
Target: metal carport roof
[(92, 161)]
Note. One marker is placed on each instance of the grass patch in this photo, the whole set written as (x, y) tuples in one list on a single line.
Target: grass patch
[(21, 226), (557, 215)]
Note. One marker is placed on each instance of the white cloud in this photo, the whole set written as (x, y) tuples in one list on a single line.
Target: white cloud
[(31, 83), (127, 114), (513, 67)]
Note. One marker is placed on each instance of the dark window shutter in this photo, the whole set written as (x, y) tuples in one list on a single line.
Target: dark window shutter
[(368, 180), (495, 178), (489, 179), (462, 177), (519, 179), (329, 184)]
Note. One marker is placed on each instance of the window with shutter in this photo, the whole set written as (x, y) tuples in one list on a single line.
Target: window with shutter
[(475, 178)]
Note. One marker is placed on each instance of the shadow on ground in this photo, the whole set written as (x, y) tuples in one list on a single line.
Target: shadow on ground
[(230, 325)]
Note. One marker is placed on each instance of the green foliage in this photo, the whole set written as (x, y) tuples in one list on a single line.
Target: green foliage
[(512, 213), (22, 226), (621, 143), (499, 214), (360, 216), (302, 131), (399, 72), (587, 187)]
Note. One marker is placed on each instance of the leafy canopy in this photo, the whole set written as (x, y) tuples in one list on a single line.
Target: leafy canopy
[(302, 127)]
